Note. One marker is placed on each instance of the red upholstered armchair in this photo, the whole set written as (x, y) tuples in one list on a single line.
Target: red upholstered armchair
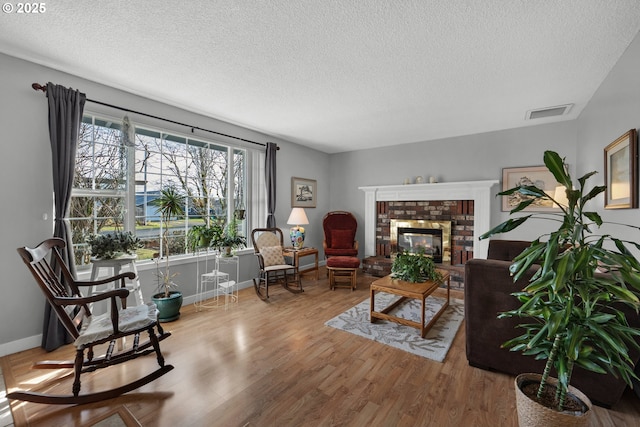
[(340, 234)]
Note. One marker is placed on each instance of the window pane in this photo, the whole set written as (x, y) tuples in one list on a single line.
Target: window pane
[(109, 167), (240, 204), (198, 169)]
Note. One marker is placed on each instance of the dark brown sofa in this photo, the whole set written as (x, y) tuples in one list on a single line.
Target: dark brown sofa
[(488, 287)]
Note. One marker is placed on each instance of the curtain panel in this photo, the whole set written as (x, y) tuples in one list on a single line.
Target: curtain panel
[(270, 178), (65, 115)]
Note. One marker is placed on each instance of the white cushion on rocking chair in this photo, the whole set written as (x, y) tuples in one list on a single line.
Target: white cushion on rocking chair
[(98, 327)]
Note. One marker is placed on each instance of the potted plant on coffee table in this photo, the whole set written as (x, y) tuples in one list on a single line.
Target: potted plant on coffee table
[(414, 267), (571, 306), (170, 204)]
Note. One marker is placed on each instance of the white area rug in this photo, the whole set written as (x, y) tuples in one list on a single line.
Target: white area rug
[(434, 346)]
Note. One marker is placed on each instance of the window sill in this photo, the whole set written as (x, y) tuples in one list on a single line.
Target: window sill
[(146, 265)]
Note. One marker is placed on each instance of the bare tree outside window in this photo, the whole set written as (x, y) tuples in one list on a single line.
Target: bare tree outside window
[(102, 197)]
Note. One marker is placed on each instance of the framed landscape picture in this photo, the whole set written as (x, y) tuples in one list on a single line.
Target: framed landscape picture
[(621, 172), (303, 192), (538, 176)]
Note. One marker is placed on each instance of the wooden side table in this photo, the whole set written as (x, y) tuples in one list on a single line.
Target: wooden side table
[(296, 254)]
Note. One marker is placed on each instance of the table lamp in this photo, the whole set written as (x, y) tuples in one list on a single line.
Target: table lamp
[(296, 233)]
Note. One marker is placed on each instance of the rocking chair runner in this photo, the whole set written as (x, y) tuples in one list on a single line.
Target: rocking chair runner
[(89, 330), (268, 246)]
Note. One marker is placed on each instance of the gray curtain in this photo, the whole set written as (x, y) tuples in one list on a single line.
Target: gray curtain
[(270, 178), (65, 115)]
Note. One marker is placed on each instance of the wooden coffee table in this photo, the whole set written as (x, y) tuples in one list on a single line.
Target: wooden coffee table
[(419, 291)]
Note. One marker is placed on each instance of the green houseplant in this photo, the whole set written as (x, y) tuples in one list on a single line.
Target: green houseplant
[(204, 236), (571, 305), (414, 267), (113, 245), (230, 239), (170, 205)]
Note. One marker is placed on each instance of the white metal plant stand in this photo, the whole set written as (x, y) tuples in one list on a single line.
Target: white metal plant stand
[(215, 285)]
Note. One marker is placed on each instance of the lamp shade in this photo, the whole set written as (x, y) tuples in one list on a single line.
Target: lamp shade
[(296, 233), (297, 217)]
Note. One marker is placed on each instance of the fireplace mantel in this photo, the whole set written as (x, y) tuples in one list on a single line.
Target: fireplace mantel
[(478, 191)]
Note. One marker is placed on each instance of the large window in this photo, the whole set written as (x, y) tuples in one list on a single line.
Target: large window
[(115, 185)]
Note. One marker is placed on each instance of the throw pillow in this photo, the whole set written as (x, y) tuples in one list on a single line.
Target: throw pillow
[(272, 255), (342, 239)]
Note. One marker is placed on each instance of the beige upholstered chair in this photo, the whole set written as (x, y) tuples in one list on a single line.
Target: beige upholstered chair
[(268, 247)]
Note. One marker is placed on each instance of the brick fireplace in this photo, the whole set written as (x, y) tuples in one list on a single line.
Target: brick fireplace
[(466, 204)]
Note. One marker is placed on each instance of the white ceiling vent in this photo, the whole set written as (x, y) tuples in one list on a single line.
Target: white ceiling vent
[(558, 110)]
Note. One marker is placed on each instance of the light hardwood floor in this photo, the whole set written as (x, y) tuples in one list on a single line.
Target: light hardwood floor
[(276, 364)]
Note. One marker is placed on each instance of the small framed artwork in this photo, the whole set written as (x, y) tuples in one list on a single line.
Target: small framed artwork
[(538, 176), (621, 172), (303, 192)]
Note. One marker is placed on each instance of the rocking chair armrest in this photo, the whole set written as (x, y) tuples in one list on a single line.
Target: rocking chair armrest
[(114, 293), (126, 275), (260, 260)]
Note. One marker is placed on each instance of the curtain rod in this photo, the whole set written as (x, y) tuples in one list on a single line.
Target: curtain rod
[(38, 86)]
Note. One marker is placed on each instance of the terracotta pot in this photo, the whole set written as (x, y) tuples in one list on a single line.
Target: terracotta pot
[(533, 414)]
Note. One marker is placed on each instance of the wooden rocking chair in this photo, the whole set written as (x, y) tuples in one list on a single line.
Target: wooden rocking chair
[(89, 330), (268, 247)]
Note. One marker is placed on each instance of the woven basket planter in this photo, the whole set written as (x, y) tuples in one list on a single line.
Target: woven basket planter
[(533, 414)]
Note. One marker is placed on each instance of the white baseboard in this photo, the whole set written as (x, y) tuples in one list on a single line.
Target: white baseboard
[(20, 345)]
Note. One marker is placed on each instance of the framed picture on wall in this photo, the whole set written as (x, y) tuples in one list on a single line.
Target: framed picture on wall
[(621, 172), (303, 192), (538, 176)]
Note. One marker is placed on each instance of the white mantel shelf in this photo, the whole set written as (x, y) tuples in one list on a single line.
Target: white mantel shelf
[(478, 191)]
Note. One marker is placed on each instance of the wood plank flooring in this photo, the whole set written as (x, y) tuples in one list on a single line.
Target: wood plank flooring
[(276, 364)]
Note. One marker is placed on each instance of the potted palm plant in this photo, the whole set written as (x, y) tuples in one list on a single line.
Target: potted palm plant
[(571, 305), (170, 205)]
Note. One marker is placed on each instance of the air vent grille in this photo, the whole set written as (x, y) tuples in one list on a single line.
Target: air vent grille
[(540, 113)]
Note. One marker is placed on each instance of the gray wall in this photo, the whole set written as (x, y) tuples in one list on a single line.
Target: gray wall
[(27, 190), (467, 158), (612, 111)]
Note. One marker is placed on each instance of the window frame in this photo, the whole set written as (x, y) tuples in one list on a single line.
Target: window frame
[(252, 186)]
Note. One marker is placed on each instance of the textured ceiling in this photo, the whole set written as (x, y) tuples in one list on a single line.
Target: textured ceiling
[(339, 75)]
